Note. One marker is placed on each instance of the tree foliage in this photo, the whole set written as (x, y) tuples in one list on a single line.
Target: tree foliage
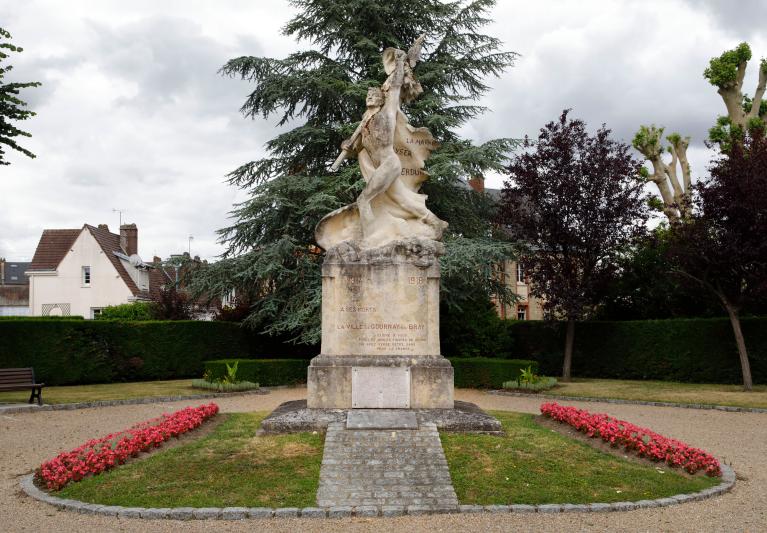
[(723, 247), (575, 199), (320, 92), (744, 113), (12, 108)]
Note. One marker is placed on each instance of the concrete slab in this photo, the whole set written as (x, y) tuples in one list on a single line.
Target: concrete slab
[(381, 419)]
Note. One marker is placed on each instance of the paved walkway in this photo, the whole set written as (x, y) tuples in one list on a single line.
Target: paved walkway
[(28, 439), (384, 467)]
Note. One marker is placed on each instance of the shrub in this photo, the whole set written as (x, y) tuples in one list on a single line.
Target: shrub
[(542, 384), (487, 373), (265, 372), (699, 350), (222, 386), (131, 311)]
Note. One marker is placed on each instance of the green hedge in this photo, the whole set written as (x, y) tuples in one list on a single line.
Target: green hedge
[(65, 352), (265, 372), (687, 350), (487, 373)]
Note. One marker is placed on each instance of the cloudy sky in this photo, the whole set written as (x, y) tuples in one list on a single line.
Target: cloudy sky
[(132, 114)]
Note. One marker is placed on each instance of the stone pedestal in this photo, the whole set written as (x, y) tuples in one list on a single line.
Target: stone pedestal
[(380, 330)]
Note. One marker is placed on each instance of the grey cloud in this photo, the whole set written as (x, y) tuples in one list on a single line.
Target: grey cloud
[(742, 19)]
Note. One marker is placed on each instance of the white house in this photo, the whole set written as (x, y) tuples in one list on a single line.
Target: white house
[(81, 271)]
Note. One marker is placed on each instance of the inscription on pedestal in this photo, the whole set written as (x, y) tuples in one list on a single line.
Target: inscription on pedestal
[(380, 312), (377, 387)]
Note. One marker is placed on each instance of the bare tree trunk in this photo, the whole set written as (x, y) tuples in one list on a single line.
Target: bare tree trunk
[(569, 340), (745, 366)]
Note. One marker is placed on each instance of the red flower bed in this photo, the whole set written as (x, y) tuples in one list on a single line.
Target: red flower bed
[(642, 441), (98, 455)]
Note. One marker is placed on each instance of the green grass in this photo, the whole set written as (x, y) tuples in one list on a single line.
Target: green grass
[(535, 465), (664, 391), (107, 391), (230, 467)]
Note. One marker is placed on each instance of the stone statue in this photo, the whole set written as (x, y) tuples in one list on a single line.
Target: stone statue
[(391, 154)]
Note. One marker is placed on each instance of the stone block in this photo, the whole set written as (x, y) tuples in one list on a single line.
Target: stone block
[(313, 512), (181, 513), (260, 512), (340, 511), (205, 513), (416, 510), (392, 510), (550, 508), (366, 510), (600, 507), (286, 512), (234, 513), (155, 513), (498, 508), (130, 512)]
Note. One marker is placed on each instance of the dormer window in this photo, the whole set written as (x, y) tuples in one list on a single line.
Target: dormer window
[(86, 276)]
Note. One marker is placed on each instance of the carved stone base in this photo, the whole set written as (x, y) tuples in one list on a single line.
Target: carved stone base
[(392, 382), (380, 329)]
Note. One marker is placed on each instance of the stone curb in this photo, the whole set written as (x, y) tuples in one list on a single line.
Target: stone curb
[(240, 513), (130, 401), (712, 407)]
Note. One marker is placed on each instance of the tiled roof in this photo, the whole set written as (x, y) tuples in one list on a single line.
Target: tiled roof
[(110, 243), (53, 246), (55, 243)]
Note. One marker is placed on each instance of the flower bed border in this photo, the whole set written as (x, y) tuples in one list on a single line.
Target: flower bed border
[(708, 406), (24, 408), (239, 513)]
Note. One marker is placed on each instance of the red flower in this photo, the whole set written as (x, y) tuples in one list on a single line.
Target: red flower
[(634, 438), (98, 455)]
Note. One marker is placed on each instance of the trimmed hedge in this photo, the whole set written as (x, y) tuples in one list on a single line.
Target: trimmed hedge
[(487, 373), (688, 350), (65, 352), (265, 372)]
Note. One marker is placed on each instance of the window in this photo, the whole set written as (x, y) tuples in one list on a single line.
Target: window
[(520, 273), (521, 312), (86, 276), (96, 312)]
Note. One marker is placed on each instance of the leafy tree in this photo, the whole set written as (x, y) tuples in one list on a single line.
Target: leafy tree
[(575, 199), (723, 247), (320, 92), (647, 288), (727, 73), (12, 108), (172, 304), (675, 200)]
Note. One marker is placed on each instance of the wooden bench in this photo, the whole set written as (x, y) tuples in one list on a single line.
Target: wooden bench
[(21, 379)]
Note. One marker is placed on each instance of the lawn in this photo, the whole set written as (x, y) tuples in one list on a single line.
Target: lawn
[(664, 391), (535, 465), (107, 391), (230, 467)]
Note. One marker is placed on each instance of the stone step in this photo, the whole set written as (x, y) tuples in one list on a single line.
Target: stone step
[(384, 467)]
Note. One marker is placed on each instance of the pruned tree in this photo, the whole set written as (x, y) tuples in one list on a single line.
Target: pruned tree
[(12, 108), (723, 246), (727, 73), (320, 93), (574, 198), (674, 192)]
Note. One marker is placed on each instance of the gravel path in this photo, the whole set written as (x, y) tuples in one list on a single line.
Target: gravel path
[(27, 439)]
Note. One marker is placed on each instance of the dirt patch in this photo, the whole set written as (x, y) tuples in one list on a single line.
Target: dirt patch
[(599, 444)]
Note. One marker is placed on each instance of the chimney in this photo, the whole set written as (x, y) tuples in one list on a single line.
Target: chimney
[(104, 227), (129, 239), (157, 260), (477, 183)]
